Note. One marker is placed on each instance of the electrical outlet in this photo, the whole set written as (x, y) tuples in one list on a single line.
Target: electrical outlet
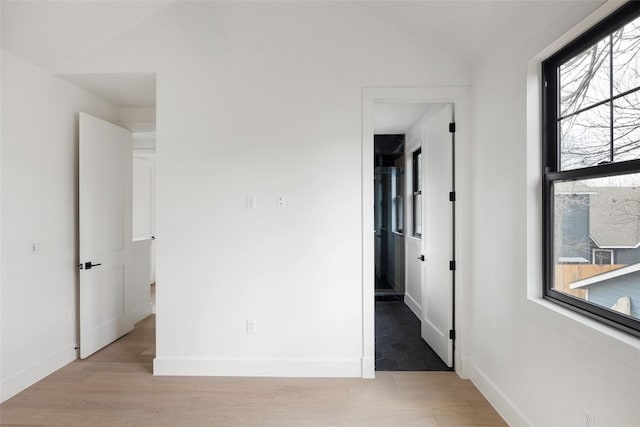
[(251, 202), (35, 248), (251, 326), (281, 202), (588, 419)]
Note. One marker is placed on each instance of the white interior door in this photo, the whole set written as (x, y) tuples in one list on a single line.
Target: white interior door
[(105, 232), (437, 234)]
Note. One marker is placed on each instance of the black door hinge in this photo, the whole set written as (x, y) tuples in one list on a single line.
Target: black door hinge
[(452, 196), (452, 265), (452, 127), (452, 334)]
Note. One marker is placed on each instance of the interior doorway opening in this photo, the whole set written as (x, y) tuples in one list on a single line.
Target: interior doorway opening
[(116, 164), (413, 161)]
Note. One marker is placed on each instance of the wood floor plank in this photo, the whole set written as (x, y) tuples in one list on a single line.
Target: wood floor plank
[(115, 387)]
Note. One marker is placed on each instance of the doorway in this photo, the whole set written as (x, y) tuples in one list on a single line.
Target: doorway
[(401, 322), (133, 98), (420, 308)]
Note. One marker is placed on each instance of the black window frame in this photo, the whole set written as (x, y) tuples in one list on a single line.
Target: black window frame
[(416, 189), (551, 164)]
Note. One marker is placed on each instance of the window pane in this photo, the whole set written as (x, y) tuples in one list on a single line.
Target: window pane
[(626, 124), (585, 138), (417, 215), (584, 79), (602, 256), (418, 166), (626, 58), (597, 221)]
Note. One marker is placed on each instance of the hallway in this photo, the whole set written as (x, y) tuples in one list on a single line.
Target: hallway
[(399, 346), (114, 387)]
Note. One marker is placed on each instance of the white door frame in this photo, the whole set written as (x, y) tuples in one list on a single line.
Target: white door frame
[(459, 97)]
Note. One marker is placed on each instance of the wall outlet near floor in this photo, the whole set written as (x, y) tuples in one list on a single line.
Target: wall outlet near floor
[(35, 248), (588, 419), (251, 326), (281, 201), (252, 202)]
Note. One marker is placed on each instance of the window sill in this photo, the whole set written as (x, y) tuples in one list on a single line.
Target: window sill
[(605, 338)]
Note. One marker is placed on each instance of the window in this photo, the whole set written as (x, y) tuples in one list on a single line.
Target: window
[(397, 188), (602, 256), (591, 161), (417, 193)]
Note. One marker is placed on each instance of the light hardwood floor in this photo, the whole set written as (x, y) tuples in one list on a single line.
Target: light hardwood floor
[(115, 387)]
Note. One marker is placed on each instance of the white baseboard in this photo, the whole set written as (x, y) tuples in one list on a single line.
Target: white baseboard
[(368, 367), (497, 398), (34, 373), (141, 313), (462, 367), (257, 368), (413, 305)]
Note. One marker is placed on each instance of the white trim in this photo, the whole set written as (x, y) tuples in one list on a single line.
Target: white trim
[(612, 247), (459, 96), (606, 276), (185, 366), (142, 312), (34, 373), (413, 305), (497, 398), (144, 152), (617, 247)]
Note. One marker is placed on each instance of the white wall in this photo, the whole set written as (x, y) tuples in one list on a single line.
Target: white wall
[(142, 182), (139, 296), (39, 205), (144, 197), (537, 364), (263, 99), (295, 72), (138, 119)]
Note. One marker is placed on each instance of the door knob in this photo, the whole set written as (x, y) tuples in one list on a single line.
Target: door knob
[(88, 265), (421, 257)]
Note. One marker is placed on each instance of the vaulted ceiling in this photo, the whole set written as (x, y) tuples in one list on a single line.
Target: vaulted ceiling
[(53, 34)]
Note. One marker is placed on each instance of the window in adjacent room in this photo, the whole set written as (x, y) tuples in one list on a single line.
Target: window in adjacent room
[(398, 201), (417, 193), (591, 160)]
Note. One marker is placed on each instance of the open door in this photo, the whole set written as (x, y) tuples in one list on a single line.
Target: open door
[(438, 234), (105, 232)]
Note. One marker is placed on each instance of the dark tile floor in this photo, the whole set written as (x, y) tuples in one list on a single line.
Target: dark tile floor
[(399, 346)]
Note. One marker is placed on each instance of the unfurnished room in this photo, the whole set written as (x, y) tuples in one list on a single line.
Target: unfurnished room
[(320, 213)]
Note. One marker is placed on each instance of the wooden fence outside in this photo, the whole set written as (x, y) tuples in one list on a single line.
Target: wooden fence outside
[(569, 273)]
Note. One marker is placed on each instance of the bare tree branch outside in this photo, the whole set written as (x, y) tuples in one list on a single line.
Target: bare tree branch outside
[(595, 127)]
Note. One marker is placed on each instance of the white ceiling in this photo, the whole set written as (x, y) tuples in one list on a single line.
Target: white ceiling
[(122, 90), (50, 34), (53, 34), (469, 28), (396, 117)]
